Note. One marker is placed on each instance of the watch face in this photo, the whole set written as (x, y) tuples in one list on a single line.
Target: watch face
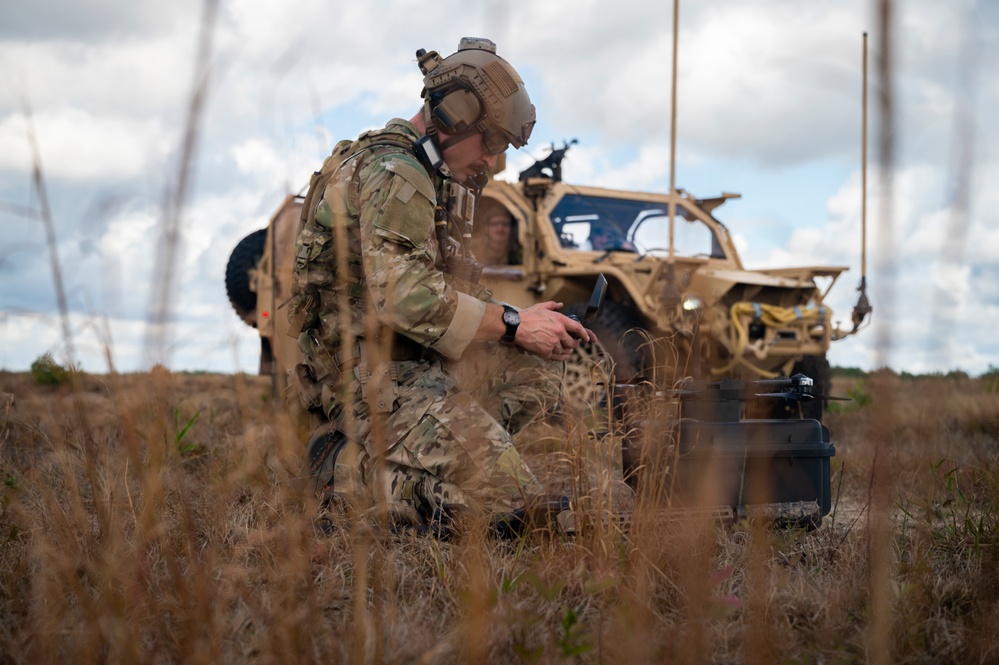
[(511, 319)]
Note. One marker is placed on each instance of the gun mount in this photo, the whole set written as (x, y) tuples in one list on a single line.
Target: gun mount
[(551, 166)]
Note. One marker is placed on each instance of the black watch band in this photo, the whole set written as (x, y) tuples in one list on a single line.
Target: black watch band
[(511, 319)]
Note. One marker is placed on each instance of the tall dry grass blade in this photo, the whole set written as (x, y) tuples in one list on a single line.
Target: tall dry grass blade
[(45, 213), (157, 342), (881, 568)]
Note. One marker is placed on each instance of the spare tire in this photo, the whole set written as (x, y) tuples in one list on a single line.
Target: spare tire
[(244, 258)]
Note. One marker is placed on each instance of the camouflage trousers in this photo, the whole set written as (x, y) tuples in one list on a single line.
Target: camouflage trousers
[(447, 442)]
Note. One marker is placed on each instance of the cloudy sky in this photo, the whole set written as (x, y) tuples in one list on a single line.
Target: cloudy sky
[(769, 106)]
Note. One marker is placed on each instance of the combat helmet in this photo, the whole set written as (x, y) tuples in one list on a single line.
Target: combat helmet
[(474, 90)]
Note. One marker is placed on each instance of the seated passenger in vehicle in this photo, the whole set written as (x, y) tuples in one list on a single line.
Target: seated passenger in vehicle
[(603, 238), (496, 243)]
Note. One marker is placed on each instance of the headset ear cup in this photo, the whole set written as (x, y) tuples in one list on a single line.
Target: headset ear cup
[(458, 111)]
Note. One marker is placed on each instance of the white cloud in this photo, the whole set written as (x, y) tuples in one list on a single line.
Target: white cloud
[(78, 145), (255, 157), (766, 87), (124, 234), (89, 20), (114, 77)]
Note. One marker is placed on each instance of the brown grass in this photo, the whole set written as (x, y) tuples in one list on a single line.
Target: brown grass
[(125, 538)]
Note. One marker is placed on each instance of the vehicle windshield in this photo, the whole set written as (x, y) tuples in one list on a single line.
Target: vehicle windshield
[(602, 223)]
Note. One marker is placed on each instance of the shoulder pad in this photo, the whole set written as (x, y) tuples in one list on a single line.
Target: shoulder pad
[(415, 175)]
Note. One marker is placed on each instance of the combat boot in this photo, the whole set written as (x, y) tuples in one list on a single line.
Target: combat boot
[(539, 513)]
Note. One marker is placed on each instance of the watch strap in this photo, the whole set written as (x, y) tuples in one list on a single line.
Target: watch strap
[(511, 328)]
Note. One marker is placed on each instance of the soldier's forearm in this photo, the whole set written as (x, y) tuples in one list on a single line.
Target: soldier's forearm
[(491, 327)]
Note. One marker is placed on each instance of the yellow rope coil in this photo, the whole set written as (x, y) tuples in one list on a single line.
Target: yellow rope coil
[(772, 316)]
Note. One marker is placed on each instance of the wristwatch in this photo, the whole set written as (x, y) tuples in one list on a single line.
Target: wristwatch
[(511, 318)]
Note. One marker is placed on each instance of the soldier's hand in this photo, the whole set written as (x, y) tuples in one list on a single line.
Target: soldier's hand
[(547, 333)]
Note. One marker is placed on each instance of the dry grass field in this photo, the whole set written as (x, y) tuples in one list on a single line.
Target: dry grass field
[(157, 518)]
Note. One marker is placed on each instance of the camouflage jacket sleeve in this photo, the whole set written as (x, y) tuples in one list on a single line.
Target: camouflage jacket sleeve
[(395, 202)]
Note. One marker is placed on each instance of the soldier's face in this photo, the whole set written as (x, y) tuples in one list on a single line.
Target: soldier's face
[(468, 158), (498, 230)]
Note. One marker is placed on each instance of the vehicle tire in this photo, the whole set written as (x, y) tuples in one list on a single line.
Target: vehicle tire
[(620, 348), (244, 257), (587, 373)]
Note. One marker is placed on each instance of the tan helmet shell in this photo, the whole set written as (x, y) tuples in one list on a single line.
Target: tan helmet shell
[(507, 108)]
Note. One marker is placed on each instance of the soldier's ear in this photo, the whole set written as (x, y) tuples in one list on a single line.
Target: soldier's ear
[(457, 111)]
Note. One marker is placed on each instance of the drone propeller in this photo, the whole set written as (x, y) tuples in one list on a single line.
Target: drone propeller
[(792, 395)]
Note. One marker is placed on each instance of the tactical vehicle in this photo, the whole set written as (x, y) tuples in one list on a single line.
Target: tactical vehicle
[(679, 302)]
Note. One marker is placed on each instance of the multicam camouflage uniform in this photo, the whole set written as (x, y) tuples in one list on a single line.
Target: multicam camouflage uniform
[(383, 324)]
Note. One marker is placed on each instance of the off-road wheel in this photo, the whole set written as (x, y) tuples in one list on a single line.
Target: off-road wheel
[(619, 352), (244, 257), (587, 373)]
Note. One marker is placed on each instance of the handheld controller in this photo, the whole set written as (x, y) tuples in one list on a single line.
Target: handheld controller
[(596, 302)]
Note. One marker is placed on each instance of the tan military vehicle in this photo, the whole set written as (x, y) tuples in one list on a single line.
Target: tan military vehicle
[(668, 314)]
